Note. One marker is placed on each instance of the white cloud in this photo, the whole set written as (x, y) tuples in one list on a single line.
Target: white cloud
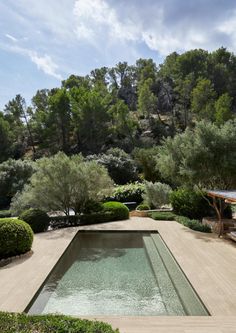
[(94, 16), (12, 38), (43, 62)]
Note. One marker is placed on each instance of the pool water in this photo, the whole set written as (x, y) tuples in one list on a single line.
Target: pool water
[(115, 273)]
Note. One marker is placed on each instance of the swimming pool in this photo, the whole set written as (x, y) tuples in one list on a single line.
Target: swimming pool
[(117, 273)]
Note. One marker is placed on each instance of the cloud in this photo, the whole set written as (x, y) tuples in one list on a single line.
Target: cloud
[(11, 37), (163, 26), (94, 16), (43, 62)]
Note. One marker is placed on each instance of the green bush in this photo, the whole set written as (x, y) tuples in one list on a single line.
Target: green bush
[(121, 167), (163, 216), (92, 206), (128, 193), (16, 237), (5, 213), (157, 194), (22, 323), (118, 210), (36, 218), (143, 206), (193, 224), (189, 203)]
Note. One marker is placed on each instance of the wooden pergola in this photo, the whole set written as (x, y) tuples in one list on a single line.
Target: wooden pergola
[(223, 197)]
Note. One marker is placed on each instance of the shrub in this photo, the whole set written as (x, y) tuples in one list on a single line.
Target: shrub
[(189, 203), (118, 210), (14, 174), (121, 167), (157, 194), (16, 237), (92, 206), (63, 183), (5, 213), (193, 224), (128, 193), (22, 323), (146, 160), (163, 216), (143, 206), (36, 218)]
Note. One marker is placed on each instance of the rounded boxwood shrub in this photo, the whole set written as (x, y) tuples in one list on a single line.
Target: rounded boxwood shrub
[(189, 203), (118, 210), (22, 323), (143, 206), (36, 218), (16, 237)]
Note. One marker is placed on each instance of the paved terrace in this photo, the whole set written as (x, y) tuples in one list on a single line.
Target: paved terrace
[(208, 262)]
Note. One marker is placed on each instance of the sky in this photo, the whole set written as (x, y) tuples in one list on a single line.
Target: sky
[(44, 41)]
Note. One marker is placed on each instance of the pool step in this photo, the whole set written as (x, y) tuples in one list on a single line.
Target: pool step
[(191, 302), (164, 282)]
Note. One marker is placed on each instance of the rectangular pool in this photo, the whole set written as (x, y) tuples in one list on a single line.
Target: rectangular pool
[(117, 273)]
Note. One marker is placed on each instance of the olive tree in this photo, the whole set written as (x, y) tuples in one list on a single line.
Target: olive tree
[(63, 183), (204, 157)]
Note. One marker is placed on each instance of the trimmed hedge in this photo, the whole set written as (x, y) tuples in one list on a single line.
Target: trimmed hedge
[(22, 323), (111, 211), (187, 222), (193, 224), (163, 216), (143, 207), (36, 218), (118, 210), (16, 237)]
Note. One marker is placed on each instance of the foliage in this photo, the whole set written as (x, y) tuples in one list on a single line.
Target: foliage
[(189, 203), (5, 139), (156, 194), (63, 183), (193, 224), (16, 237), (36, 218), (204, 157), (5, 213), (119, 211), (203, 99), (163, 216), (120, 166), (22, 323), (92, 206), (146, 160), (143, 206), (223, 107), (14, 174), (128, 193)]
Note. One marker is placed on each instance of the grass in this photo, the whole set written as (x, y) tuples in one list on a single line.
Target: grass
[(22, 323), (187, 222)]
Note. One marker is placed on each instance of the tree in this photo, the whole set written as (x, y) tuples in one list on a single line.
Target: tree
[(204, 157), (203, 99), (223, 108), (121, 167), (17, 114), (90, 120), (63, 183), (146, 161), (6, 139), (14, 174), (147, 101), (124, 125)]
